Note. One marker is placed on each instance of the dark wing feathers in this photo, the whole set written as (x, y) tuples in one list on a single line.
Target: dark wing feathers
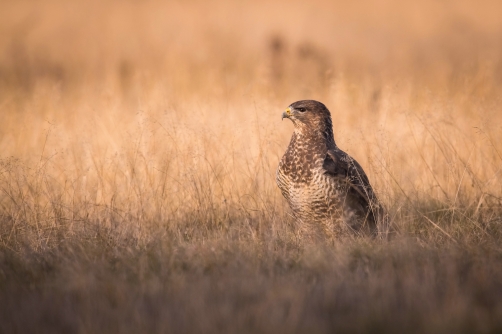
[(343, 167)]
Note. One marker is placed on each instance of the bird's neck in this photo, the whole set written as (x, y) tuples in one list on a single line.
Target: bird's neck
[(321, 139)]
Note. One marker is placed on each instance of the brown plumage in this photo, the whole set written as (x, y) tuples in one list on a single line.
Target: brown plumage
[(323, 185)]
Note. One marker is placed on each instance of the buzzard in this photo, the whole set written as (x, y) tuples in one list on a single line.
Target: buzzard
[(324, 186)]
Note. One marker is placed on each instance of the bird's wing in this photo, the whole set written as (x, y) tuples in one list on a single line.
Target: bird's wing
[(340, 165)]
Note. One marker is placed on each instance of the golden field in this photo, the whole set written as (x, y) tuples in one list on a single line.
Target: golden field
[(138, 148)]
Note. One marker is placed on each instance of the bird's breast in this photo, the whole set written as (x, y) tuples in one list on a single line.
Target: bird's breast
[(308, 190)]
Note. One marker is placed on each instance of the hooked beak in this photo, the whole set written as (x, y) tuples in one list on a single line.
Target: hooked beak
[(286, 113)]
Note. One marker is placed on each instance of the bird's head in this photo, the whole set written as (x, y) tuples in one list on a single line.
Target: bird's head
[(309, 114)]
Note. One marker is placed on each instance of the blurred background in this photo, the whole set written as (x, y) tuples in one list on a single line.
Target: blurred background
[(231, 50)]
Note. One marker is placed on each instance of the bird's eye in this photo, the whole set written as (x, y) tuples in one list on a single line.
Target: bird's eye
[(301, 109)]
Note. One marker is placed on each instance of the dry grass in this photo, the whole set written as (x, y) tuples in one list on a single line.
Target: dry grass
[(138, 147)]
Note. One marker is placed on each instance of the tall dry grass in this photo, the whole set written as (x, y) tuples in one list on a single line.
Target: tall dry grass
[(138, 148)]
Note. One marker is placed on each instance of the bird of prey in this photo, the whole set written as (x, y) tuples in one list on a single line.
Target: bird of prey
[(323, 185)]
